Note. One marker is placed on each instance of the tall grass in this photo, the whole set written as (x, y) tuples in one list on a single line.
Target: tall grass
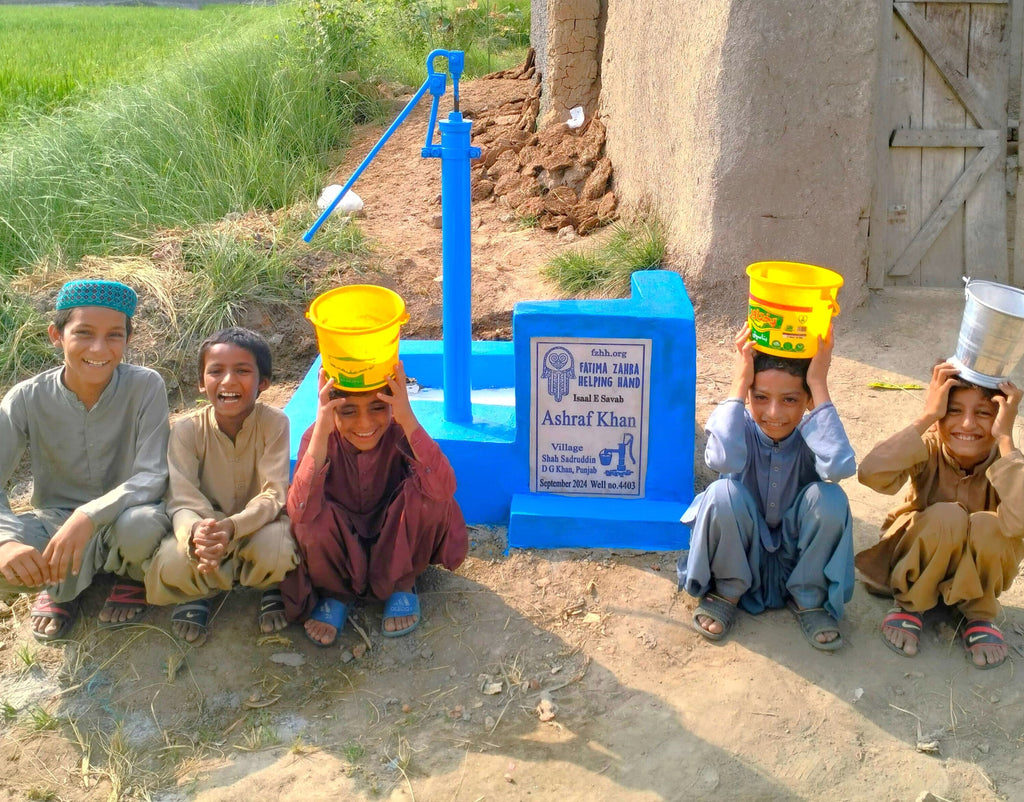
[(243, 124), (390, 38), (51, 55)]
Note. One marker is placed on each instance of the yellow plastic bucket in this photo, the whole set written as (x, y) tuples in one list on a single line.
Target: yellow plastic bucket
[(357, 332), (791, 304)]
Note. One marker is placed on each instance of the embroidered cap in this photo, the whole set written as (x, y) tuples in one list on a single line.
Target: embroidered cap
[(97, 292)]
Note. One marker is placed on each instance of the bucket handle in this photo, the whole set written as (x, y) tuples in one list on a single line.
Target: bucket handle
[(833, 303)]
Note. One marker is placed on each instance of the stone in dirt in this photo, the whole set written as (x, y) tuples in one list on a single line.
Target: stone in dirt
[(546, 708), (288, 659)]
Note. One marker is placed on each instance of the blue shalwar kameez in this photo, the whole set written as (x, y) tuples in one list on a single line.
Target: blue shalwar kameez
[(774, 526)]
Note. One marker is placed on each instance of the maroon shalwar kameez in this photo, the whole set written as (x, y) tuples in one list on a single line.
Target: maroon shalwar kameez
[(370, 522)]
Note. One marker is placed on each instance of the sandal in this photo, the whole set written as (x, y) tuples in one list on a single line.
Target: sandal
[(196, 613), (983, 633), (63, 612), (329, 611), (126, 594), (271, 603), (399, 605), (719, 610), (906, 622), (815, 620)]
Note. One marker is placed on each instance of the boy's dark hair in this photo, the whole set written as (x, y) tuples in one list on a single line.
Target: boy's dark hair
[(791, 365), (242, 338), (988, 392), (62, 316)]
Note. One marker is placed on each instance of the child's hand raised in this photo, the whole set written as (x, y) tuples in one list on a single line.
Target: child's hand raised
[(743, 364), (401, 408), (1008, 403), (944, 379), (817, 371)]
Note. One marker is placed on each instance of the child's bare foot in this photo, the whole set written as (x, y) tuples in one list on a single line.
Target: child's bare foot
[(400, 622), (401, 613), (125, 604), (901, 631), (271, 616), (52, 620), (326, 621), (321, 633), (190, 621), (984, 643), (818, 626), (715, 615)]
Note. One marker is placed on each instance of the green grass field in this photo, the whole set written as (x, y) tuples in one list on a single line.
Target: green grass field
[(51, 55)]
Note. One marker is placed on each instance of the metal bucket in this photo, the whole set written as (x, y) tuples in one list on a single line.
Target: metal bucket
[(991, 341)]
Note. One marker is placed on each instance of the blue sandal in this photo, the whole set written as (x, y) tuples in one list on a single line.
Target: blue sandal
[(329, 611), (398, 605)]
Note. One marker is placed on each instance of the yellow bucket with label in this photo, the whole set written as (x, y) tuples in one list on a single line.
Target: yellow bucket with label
[(357, 331), (791, 305)]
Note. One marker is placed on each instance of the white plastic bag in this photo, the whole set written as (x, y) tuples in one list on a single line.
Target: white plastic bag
[(350, 203)]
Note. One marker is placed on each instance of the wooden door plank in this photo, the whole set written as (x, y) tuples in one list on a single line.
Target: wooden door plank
[(1015, 9), (985, 253), (1017, 272), (941, 138), (937, 222), (942, 167), (946, 53), (878, 228), (902, 206)]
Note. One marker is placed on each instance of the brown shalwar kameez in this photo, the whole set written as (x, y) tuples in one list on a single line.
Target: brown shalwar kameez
[(370, 522), (957, 534)]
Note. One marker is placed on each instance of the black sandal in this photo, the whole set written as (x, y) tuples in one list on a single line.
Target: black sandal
[(65, 613), (271, 603), (719, 610), (196, 613)]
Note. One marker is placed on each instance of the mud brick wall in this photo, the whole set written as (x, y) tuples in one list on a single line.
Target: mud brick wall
[(747, 126)]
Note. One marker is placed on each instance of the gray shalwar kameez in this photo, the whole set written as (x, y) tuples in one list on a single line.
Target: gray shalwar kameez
[(773, 526), (109, 462)]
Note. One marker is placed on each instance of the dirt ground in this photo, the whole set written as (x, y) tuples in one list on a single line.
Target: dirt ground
[(643, 708)]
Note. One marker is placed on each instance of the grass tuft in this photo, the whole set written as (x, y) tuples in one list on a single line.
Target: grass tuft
[(42, 720), (353, 751), (607, 268)]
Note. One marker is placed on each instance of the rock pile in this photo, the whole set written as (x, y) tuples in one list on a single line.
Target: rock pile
[(559, 176)]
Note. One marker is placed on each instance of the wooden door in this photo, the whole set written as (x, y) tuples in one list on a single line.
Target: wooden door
[(939, 207)]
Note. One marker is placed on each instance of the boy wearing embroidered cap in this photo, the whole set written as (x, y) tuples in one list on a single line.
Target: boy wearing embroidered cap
[(96, 432), (228, 463)]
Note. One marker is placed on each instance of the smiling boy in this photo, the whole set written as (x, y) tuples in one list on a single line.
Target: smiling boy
[(372, 505), (959, 533), (96, 432), (228, 465), (774, 530)]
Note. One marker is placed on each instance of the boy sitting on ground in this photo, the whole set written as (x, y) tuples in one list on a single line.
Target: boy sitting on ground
[(372, 505), (96, 432), (959, 532), (774, 529), (228, 464)]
